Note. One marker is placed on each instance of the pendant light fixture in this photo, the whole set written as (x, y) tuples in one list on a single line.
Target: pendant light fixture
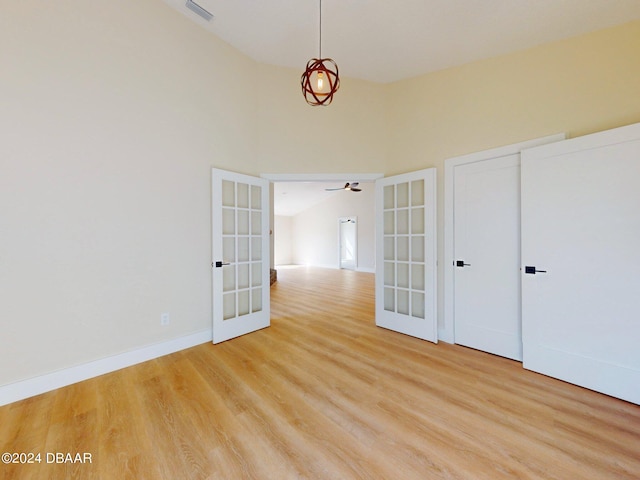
[(320, 80)]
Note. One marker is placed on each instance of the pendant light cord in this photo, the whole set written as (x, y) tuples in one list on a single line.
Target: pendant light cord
[(320, 52)]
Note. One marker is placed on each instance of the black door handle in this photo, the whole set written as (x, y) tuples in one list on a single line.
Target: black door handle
[(533, 271), (460, 263), (220, 264)]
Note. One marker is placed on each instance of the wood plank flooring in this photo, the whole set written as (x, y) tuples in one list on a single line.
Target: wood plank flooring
[(324, 394)]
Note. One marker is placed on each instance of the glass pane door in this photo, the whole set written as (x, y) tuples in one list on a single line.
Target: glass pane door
[(405, 266), (240, 244)]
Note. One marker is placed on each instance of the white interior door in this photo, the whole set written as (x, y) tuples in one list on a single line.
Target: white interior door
[(240, 235), (580, 282), (487, 255), (406, 254), (348, 242)]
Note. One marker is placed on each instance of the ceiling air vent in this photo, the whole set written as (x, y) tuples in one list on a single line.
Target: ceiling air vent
[(197, 9)]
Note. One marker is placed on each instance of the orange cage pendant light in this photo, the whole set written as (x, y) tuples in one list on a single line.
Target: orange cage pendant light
[(320, 80)]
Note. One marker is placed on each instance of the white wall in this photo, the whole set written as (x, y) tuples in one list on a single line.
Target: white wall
[(283, 240), (316, 231)]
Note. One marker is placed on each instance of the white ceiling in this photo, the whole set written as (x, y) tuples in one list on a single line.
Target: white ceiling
[(291, 198), (385, 41)]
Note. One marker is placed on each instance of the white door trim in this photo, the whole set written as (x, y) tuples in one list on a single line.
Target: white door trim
[(446, 332), (321, 177)]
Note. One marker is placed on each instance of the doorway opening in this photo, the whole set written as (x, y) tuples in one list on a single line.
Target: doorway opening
[(304, 227), (348, 242)]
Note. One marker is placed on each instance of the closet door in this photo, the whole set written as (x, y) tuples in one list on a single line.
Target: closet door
[(487, 256), (482, 249), (580, 281)]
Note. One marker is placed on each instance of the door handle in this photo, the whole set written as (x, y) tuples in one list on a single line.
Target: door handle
[(460, 263), (533, 270), (220, 264)]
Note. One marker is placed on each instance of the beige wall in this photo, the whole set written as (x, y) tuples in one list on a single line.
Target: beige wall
[(112, 114), (109, 129), (577, 86), (349, 136)]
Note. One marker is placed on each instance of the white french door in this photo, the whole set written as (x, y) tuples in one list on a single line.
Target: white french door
[(240, 249), (487, 255), (406, 254), (580, 283)]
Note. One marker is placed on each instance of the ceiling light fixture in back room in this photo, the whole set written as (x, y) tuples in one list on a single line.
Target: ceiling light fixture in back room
[(320, 80)]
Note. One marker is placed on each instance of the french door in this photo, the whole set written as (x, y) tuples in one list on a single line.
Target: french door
[(240, 250), (406, 254)]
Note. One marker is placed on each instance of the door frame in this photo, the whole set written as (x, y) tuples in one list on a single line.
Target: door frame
[(446, 332)]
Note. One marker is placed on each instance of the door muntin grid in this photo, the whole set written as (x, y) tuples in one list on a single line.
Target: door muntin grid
[(404, 248), (242, 212)]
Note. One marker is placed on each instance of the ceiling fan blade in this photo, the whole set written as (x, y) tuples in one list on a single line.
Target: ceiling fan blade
[(347, 186)]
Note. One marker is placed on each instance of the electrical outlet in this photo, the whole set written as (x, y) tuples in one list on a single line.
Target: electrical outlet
[(164, 319)]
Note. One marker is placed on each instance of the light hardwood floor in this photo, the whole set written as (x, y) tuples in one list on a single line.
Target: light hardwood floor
[(324, 394)]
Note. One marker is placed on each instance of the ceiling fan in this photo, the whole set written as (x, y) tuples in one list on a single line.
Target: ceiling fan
[(347, 186)]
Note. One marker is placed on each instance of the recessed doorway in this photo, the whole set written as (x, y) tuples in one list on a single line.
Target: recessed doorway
[(348, 246), (308, 211)]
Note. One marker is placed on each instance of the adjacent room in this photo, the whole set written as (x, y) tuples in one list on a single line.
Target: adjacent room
[(448, 197), (324, 224)]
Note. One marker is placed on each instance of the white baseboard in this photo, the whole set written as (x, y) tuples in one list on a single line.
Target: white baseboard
[(337, 267), (51, 381), (330, 266), (366, 270)]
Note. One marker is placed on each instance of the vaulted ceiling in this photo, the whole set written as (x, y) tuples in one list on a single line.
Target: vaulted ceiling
[(384, 41)]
